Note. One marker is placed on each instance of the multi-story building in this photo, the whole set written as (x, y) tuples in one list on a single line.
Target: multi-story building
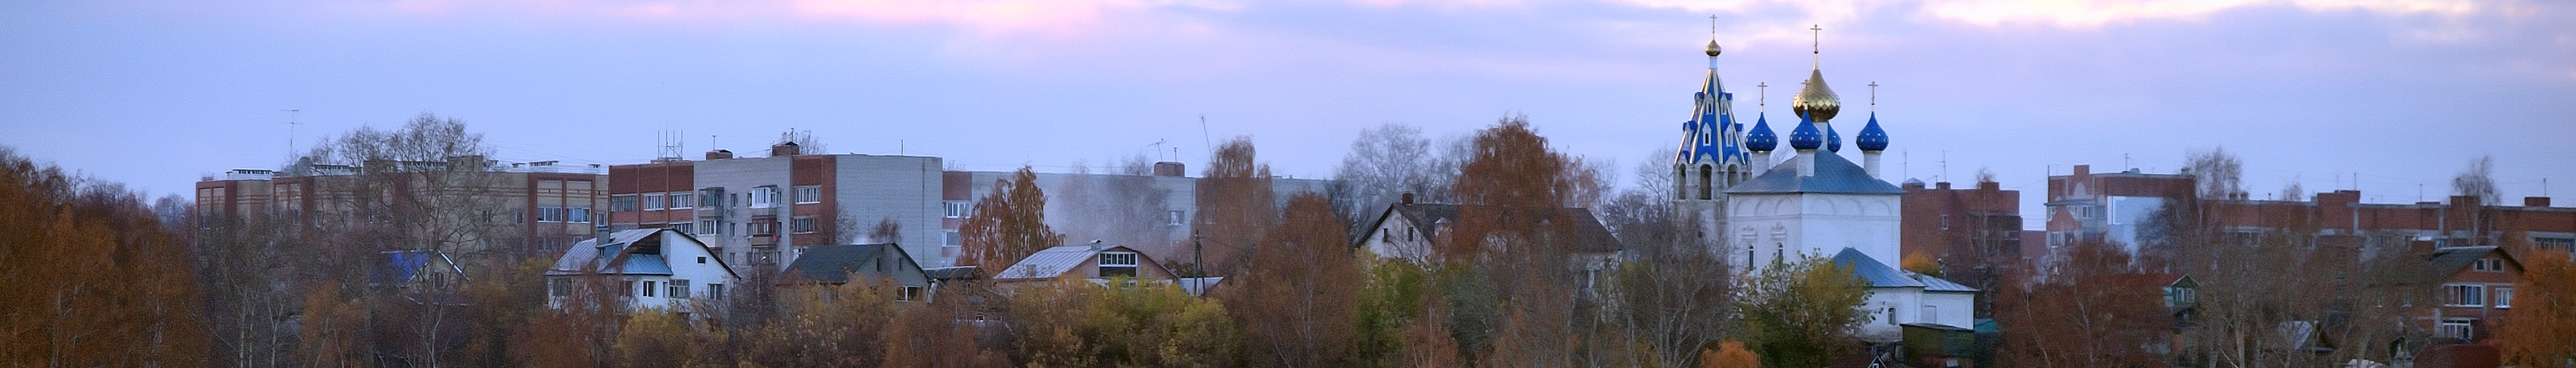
[(762, 209), (2108, 207), (758, 210), (530, 206), (1971, 235)]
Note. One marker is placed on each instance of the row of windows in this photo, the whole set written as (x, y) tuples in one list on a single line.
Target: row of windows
[(563, 214), (652, 201), (2477, 296), (675, 289)]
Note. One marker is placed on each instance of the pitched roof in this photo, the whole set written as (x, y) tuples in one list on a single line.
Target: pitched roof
[(616, 258), (2446, 261), (1427, 219), (950, 273), (833, 263), (403, 265), (1833, 175), (1937, 285), (1056, 261), (1869, 269)]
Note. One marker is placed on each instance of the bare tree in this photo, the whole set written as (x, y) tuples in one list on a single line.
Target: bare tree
[(1386, 162), (2220, 173), (804, 140), (2477, 180)]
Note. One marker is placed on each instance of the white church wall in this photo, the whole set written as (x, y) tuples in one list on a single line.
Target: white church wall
[(1789, 226)]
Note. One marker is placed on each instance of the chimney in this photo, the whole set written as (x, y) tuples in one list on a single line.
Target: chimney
[(1990, 186), (1171, 169), (1941, 185), (601, 233), (2535, 201), (2083, 170), (1408, 198), (720, 154), (783, 149)]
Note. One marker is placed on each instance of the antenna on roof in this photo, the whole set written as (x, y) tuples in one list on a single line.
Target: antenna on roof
[(670, 146), (290, 131)]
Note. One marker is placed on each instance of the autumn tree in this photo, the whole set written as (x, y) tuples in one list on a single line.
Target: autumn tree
[(1510, 228), (1236, 205), (1007, 224), (1127, 323), (2094, 309), (2544, 313), (95, 278), (1729, 354), (1803, 314), (826, 326), (1296, 306), (936, 336), (663, 338)]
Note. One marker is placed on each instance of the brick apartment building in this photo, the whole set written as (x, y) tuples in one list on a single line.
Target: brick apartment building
[(1973, 235), (763, 209), (541, 206)]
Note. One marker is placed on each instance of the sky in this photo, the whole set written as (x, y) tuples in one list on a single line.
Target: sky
[(2389, 97)]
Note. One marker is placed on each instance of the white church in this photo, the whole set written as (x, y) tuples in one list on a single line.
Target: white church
[(1759, 210)]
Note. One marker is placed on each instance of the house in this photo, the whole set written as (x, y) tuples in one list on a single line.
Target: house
[(2476, 291), (645, 268), (1406, 230), (1096, 262), (1899, 297), (835, 264)]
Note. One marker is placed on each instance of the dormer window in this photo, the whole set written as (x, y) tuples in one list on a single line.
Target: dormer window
[(1114, 264)]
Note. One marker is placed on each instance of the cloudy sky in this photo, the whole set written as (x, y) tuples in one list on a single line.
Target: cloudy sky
[(2399, 94)]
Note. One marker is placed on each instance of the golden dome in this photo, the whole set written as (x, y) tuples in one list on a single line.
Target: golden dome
[(1816, 102), (1712, 48)]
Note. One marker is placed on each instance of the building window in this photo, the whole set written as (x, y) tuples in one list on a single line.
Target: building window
[(1117, 264), (550, 214), (679, 289), (685, 227), (1177, 217), (2465, 295), (621, 203), (952, 238), (559, 287), (629, 286), (801, 225), (2559, 244), (809, 194), (2458, 328), (960, 209), (2503, 297), (715, 291), (909, 293), (653, 201), (2489, 264), (681, 200), (577, 214), (762, 227), (648, 288), (764, 197)]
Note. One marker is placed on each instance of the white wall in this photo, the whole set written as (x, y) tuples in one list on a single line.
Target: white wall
[(1817, 224)]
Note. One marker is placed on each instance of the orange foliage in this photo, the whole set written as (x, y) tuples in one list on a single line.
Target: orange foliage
[(2544, 313), (94, 277), (1730, 354)]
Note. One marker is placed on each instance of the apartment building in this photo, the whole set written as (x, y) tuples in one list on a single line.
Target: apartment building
[(518, 207)]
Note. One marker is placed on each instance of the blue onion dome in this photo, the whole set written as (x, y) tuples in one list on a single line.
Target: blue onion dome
[(1871, 138), (1833, 141), (1806, 137), (1761, 139)]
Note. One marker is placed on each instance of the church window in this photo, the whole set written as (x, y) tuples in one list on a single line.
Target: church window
[(1704, 182)]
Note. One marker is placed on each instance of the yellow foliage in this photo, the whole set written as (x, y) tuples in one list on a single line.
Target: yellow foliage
[(2544, 313), (1729, 354)]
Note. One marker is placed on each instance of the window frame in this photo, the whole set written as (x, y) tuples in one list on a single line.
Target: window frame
[(2467, 328), (2464, 295), (623, 203), (2501, 297), (680, 200), (653, 201), (1131, 267), (648, 289), (801, 225), (678, 289), (807, 194), (958, 209)]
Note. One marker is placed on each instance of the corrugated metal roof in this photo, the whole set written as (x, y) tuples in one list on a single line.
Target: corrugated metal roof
[(1833, 175), (950, 273), (1936, 284), (1051, 262), (1869, 269)]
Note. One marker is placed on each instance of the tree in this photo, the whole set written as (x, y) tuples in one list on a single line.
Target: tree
[(826, 326), (2478, 180), (1385, 163), (2219, 173), (95, 279), (1296, 307), (1729, 354), (1007, 224), (1803, 314), (1235, 206), (2544, 313), (662, 338), (1673, 297), (1512, 235), (2094, 310), (934, 336), (1127, 323)]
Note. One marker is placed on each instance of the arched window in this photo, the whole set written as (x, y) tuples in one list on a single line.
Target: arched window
[(1704, 182), (1681, 181)]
